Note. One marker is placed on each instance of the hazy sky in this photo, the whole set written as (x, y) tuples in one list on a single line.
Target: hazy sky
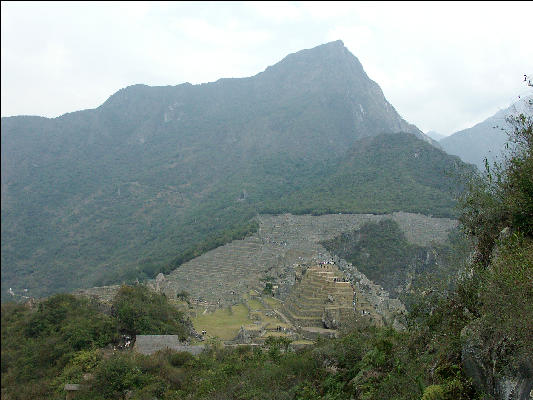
[(443, 66)]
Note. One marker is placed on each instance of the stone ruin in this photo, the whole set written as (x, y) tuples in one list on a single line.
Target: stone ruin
[(322, 299), (282, 247)]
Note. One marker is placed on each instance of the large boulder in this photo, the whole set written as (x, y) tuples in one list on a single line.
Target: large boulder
[(330, 318)]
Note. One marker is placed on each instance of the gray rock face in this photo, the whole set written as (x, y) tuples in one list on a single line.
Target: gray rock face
[(481, 363), (247, 336), (330, 319)]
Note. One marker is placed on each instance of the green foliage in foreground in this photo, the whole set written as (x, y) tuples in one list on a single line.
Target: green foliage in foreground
[(506, 297), (498, 213), (58, 342), (140, 311), (365, 363), (38, 345)]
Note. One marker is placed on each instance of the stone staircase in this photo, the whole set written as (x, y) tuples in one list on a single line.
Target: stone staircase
[(323, 293)]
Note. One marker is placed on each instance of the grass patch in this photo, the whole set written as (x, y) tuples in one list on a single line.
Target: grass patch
[(303, 341), (223, 323), (255, 305), (273, 321), (272, 302)]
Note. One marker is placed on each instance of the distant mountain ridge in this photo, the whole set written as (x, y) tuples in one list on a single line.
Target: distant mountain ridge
[(435, 135), (158, 175), (485, 140)]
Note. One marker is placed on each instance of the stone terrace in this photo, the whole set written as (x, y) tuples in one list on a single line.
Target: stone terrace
[(223, 275), (322, 292)]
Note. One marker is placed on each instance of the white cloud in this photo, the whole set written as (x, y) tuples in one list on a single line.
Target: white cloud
[(230, 34), (440, 64), (433, 52), (276, 11)]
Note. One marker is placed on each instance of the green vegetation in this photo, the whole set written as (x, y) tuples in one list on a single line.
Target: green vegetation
[(62, 339), (38, 346), (417, 181), (140, 311), (255, 305), (367, 363), (381, 251), (224, 323), (159, 175), (381, 174), (507, 301), (498, 213)]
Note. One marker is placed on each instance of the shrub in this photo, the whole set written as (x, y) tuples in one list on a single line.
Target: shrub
[(434, 392), (180, 358)]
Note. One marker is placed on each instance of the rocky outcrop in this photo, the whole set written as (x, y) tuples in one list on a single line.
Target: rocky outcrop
[(482, 363), (102, 295), (331, 318), (247, 336)]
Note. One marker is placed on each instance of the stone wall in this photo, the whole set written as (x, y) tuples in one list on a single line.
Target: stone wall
[(149, 344), (103, 294), (321, 299)]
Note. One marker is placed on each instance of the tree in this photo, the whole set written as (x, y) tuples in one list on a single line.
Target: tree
[(503, 196), (498, 215)]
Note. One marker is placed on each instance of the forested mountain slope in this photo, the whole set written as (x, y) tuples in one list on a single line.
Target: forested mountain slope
[(157, 175)]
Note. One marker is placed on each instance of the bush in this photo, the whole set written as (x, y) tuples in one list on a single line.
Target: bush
[(117, 374), (140, 311), (180, 358), (434, 392)]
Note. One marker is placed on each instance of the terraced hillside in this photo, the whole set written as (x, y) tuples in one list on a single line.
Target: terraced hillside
[(223, 275), (322, 297)]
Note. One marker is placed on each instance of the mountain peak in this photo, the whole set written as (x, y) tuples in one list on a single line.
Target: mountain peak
[(336, 44), (323, 53), (190, 152), (328, 65)]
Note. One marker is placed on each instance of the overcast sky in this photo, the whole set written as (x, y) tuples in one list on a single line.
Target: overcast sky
[(443, 66)]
